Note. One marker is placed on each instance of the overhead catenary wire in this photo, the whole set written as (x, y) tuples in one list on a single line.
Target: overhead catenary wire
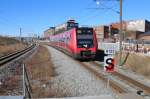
[(84, 15), (90, 14), (4, 22), (11, 23), (97, 9), (8, 21)]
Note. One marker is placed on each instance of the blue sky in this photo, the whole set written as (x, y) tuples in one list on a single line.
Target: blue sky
[(35, 16)]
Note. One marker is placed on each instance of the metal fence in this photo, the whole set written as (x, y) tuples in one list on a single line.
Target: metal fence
[(136, 47)]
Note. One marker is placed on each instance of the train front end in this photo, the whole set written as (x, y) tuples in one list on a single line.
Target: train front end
[(86, 43)]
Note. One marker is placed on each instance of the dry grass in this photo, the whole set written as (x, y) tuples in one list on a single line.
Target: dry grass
[(40, 71), (137, 63), (8, 40), (5, 49), (10, 84), (9, 45)]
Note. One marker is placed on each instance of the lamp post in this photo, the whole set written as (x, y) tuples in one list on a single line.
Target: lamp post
[(121, 38)]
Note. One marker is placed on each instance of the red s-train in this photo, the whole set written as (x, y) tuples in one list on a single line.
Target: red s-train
[(79, 42)]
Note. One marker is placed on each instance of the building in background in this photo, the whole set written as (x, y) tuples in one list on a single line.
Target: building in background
[(60, 28), (133, 25), (102, 32), (131, 29), (138, 25), (49, 32), (137, 28), (145, 36)]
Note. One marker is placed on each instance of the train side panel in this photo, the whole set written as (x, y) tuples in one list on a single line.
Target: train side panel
[(69, 42), (65, 41)]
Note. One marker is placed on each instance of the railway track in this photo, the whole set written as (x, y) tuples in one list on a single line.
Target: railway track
[(140, 86), (118, 88), (7, 58)]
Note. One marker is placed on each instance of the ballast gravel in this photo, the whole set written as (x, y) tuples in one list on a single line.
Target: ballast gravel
[(72, 80)]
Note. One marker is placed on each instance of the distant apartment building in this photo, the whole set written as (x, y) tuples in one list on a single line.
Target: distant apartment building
[(132, 29), (49, 32), (133, 25), (145, 36), (102, 32), (133, 34), (138, 25), (114, 29)]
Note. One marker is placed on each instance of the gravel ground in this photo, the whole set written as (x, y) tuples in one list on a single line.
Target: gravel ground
[(134, 75), (11, 78), (72, 80), (137, 77), (131, 74)]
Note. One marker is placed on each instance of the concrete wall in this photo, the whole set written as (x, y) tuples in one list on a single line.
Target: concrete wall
[(103, 46)]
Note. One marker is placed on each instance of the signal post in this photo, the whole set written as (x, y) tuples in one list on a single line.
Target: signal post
[(109, 63)]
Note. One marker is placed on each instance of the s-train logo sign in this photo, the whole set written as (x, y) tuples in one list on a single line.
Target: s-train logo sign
[(109, 63)]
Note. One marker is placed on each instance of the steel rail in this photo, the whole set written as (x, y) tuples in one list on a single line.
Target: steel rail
[(10, 57), (116, 86), (134, 82)]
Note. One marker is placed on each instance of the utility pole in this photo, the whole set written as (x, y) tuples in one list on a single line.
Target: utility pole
[(20, 34), (121, 38), (120, 32)]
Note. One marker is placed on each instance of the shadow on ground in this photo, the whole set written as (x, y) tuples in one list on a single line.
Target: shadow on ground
[(100, 56)]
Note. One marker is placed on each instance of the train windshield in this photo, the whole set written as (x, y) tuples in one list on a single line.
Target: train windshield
[(85, 38)]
